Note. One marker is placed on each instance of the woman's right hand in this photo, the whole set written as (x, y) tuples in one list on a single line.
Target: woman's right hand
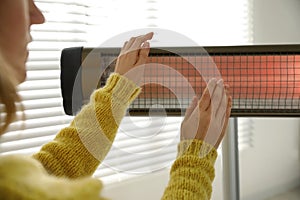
[(207, 119)]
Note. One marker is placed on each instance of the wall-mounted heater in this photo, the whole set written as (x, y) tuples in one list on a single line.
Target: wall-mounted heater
[(264, 80)]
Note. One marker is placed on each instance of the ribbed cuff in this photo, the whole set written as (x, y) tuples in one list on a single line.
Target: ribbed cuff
[(196, 148), (122, 88)]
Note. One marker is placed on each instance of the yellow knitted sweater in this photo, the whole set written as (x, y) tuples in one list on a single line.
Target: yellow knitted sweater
[(62, 169)]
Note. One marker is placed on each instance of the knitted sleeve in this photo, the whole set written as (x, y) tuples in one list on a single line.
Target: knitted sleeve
[(77, 150), (192, 173), (23, 177)]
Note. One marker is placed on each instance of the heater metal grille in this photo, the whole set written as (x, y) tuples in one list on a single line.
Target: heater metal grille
[(264, 80)]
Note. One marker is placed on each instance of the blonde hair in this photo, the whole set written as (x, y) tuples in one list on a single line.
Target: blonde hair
[(8, 95)]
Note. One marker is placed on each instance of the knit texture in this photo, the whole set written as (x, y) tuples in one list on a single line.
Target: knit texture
[(24, 178), (62, 169), (78, 149), (192, 173)]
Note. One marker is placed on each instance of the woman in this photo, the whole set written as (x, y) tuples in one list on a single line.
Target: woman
[(62, 169)]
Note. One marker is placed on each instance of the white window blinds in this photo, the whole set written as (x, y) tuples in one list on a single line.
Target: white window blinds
[(144, 144), (41, 97)]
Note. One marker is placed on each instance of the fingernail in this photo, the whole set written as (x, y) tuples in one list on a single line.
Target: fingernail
[(212, 80), (195, 98), (150, 34), (220, 81)]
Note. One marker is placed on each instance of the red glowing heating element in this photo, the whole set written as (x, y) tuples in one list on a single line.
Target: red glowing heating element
[(248, 76), (267, 83)]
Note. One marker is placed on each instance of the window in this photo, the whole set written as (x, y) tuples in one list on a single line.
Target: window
[(153, 143), (65, 26)]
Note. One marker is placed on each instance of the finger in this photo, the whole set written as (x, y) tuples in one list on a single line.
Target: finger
[(224, 101), (124, 47), (229, 107), (226, 116), (227, 90), (191, 108), (190, 123), (148, 36), (129, 43), (193, 122), (225, 122), (146, 45), (205, 100), (143, 54), (226, 86), (140, 40), (137, 44), (218, 98), (215, 125)]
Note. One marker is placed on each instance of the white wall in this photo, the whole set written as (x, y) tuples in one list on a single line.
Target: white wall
[(276, 21), (151, 186), (273, 165), (147, 187)]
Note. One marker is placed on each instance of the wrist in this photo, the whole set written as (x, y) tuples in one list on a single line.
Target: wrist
[(196, 147), (122, 88)]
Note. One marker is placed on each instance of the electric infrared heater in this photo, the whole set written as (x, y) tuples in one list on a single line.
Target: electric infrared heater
[(264, 80)]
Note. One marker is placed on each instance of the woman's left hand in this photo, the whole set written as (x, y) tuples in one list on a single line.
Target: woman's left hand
[(133, 56)]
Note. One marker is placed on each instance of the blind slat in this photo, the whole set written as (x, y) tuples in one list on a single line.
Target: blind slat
[(41, 103), (39, 113), (31, 133), (58, 36), (23, 144), (43, 122), (142, 165), (44, 75), (38, 66), (54, 46), (64, 2), (40, 94), (38, 85)]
